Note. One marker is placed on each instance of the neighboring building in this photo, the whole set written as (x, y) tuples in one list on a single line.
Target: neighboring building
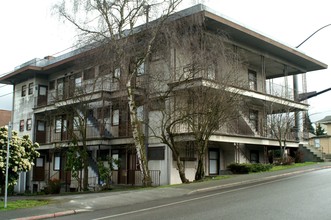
[(5, 117), (42, 87), (323, 142)]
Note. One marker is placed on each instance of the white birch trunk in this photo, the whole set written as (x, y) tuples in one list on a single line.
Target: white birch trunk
[(138, 136)]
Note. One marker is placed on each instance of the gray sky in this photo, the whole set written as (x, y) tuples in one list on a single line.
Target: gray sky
[(29, 30)]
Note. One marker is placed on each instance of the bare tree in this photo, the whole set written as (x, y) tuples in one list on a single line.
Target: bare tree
[(77, 96), (112, 27), (215, 99), (281, 123), (202, 95)]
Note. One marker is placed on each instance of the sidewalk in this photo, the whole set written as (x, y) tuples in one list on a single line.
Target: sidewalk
[(71, 204)]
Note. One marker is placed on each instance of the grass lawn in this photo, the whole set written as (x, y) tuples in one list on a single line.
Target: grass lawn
[(284, 167), (21, 204)]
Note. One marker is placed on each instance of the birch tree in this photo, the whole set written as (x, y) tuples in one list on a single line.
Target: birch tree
[(112, 26)]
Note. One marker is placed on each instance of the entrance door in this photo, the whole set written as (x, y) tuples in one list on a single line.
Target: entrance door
[(214, 162), (39, 169), (42, 95)]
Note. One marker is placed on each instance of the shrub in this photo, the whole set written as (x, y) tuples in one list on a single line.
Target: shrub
[(284, 161), (245, 168), (237, 168), (259, 167), (298, 156), (53, 187)]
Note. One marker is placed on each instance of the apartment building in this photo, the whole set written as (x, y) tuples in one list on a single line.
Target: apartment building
[(52, 94)]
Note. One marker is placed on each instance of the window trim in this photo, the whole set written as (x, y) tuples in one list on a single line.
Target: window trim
[(23, 92), (22, 125), (252, 78), (28, 124), (30, 88), (57, 162), (117, 117)]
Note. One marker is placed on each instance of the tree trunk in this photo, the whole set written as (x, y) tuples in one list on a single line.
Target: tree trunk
[(200, 173), (85, 170), (181, 169), (138, 137)]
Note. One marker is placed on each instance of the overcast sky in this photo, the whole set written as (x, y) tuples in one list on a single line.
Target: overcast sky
[(29, 30)]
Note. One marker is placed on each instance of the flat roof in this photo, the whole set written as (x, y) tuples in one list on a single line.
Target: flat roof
[(215, 21)]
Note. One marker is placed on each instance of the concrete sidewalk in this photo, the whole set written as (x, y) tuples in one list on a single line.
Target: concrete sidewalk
[(75, 203)]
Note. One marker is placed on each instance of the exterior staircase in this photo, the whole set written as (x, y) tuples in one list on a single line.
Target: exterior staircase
[(100, 128), (312, 153)]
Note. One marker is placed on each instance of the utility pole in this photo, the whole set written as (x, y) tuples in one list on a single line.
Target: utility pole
[(7, 163)]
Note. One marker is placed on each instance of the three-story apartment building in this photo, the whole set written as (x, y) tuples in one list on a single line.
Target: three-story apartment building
[(53, 94)]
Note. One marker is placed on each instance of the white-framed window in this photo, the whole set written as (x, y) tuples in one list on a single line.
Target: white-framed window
[(317, 142), (40, 162), (78, 81), (141, 69), (57, 162), (140, 113), (21, 125), (40, 126), (28, 124), (116, 117), (252, 80), (30, 88), (23, 93), (117, 73)]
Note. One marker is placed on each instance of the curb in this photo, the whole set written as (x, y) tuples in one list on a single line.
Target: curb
[(53, 215), (255, 180)]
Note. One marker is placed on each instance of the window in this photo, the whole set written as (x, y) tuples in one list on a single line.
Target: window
[(57, 161), (60, 125), (115, 161), (23, 90), (254, 119), (103, 112), (117, 73), (317, 143), (89, 73), (42, 90), (187, 152), (30, 88), (141, 69), (40, 162), (103, 155), (116, 117), (78, 80), (60, 83), (156, 153), (211, 72), (40, 126), (254, 156), (76, 123), (28, 124), (21, 125), (140, 113), (52, 85), (252, 81)]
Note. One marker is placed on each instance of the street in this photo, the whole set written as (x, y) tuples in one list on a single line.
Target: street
[(304, 196)]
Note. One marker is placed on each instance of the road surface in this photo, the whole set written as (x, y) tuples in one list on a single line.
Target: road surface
[(303, 196)]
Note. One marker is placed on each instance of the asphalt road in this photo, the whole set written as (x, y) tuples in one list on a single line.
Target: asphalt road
[(304, 196)]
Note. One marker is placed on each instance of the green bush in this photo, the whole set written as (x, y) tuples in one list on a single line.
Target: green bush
[(53, 187), (245, 168), (239, 168), (259, 167)]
